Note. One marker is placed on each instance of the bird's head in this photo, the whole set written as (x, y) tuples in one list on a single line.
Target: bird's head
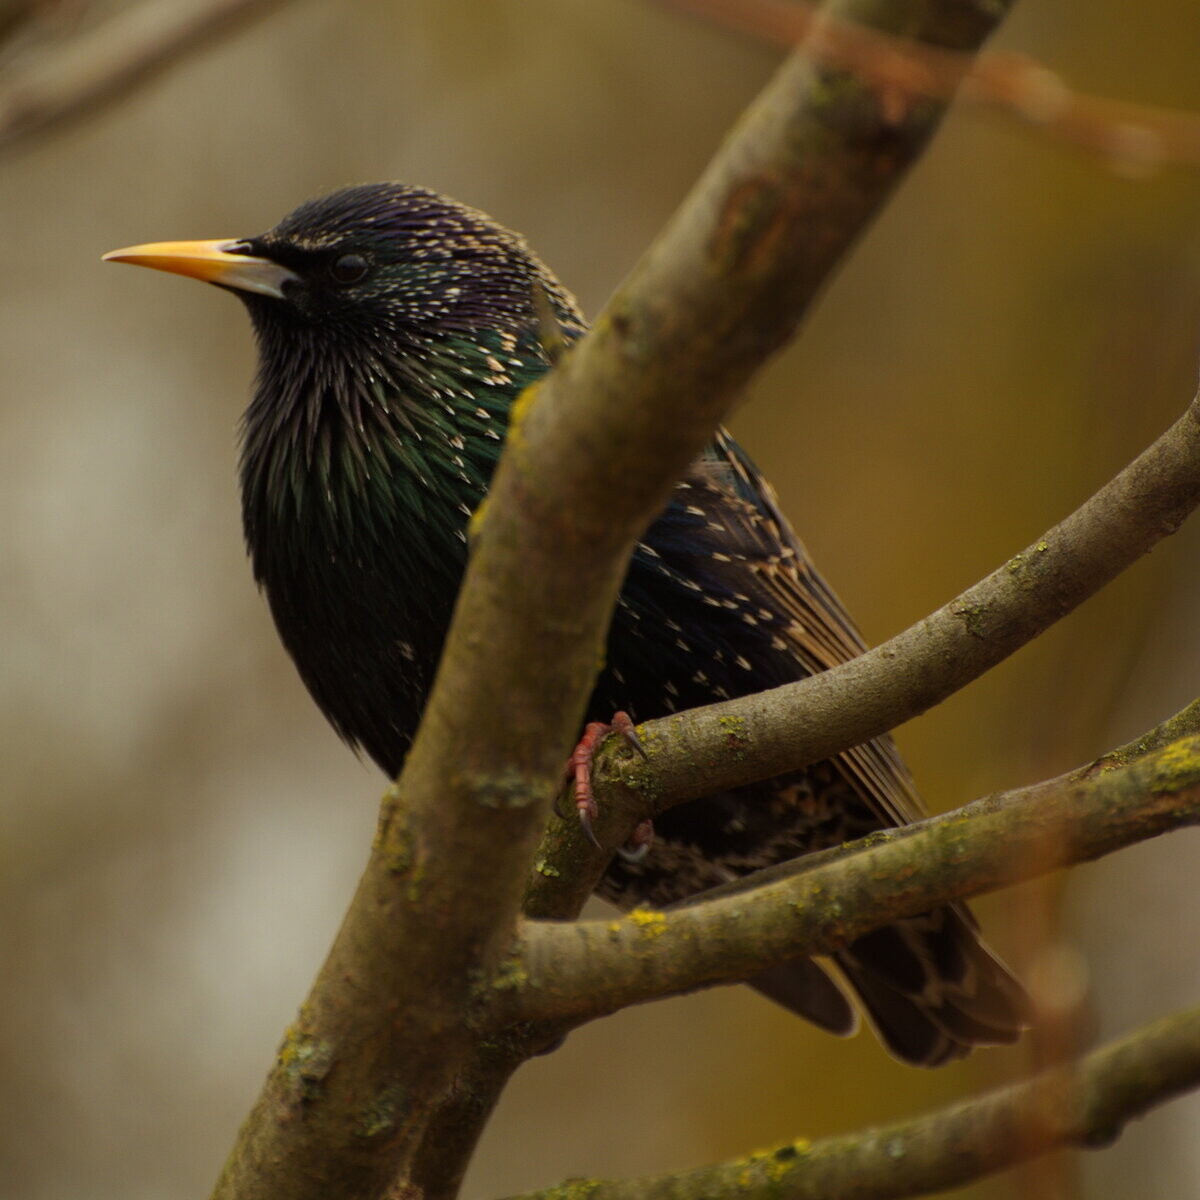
[(375, 263), (395, 328)]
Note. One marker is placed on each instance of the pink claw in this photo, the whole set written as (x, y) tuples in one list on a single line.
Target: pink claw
[(579, 767)]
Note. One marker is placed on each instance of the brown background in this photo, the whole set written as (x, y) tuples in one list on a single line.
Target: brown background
[(179, 830)]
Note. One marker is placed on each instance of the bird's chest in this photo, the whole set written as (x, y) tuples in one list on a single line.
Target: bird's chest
[(363, 605)]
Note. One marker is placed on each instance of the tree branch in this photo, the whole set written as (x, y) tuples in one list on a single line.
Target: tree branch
[(736, 742), (1183, 724), (1136, 138), (591, 968), (1086, 1105), (96, 68)]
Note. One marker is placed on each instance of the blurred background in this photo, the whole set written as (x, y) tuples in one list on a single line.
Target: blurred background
[(180, 831)]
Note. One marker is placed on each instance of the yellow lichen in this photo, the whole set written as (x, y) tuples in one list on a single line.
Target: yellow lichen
[(303, 1060), (737, 736), (380, 1116), (649, 921), (476, 519), (576, 1188), (394, 842), (510, 975), (1177, 767), (973, 616), (773, 1165), (519, 411)]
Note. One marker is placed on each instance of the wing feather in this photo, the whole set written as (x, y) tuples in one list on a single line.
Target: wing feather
[(820, 631)]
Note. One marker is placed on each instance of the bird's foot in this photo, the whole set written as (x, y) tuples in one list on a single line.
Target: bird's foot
[(579, 770)]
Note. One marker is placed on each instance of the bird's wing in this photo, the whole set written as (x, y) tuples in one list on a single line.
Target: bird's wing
[(821, 633)]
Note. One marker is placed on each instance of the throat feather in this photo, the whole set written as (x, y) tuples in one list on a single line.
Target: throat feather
[(381, 475)]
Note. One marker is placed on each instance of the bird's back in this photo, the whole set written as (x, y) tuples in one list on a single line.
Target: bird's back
[(722, 601)]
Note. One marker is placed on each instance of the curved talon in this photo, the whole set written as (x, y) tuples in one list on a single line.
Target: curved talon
[(560, 809), (622, 724), (639, 843), (581, 761), (585, 823)]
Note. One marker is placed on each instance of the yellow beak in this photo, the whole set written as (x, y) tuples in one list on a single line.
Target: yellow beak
[(212, 262)]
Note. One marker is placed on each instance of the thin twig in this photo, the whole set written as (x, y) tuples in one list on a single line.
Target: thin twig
[(92, 69), (805, 722), (1086, 1105), (1135, 138)]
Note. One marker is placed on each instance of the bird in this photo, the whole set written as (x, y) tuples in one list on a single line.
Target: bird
[(395, 328)]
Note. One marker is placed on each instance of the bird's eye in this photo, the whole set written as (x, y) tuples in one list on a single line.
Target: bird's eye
[(348, 268)]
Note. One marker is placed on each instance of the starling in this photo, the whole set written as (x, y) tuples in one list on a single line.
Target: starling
[(395, 328)]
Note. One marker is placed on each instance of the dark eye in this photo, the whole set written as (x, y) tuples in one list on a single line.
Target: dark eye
[(348, 268)]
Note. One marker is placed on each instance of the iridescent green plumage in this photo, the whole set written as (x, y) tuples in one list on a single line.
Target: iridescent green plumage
[(377, 420)]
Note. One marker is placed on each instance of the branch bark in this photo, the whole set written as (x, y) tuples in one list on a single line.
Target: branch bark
[(576, 972), (730, 743), (1086, 1105)]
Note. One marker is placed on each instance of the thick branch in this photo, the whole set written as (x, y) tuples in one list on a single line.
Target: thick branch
[(1086, 1106), (592, 968), (102, 65)]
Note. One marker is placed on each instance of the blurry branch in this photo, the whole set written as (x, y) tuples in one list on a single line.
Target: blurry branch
[(1085, 1105), (820, 904), (14, 16), (1135, 138), (757, 737), (100, 65), (95, 67)]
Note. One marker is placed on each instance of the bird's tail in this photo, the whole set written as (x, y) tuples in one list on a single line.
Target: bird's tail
[(929, 986)]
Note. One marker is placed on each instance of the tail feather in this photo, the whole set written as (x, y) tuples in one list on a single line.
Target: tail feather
[(929, 987), (803, 987), (903, 1025)]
